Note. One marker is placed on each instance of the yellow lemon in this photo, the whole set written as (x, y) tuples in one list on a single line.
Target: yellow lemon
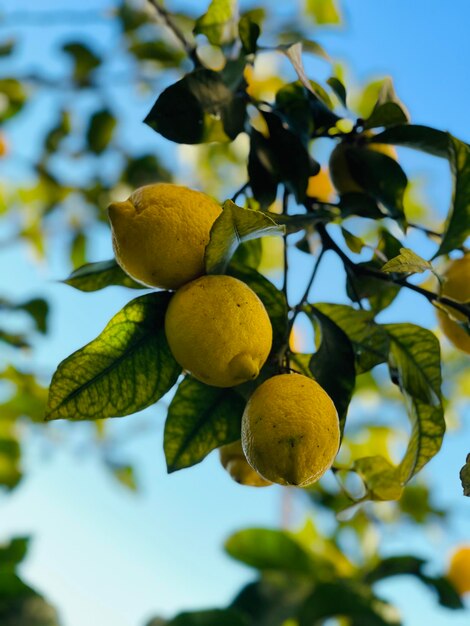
[(218, 330), (290, 430), (459, 569), (456, 286), (321, 187), (160, 233), (234, 461), (340, 173)]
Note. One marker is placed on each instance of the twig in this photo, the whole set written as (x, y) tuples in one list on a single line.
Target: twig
[(426, 231), (166, 18), (365, 270), (285, 206), (304, 298), (242, 189)]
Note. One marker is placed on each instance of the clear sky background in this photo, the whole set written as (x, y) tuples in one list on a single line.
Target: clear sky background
[(105, 556)]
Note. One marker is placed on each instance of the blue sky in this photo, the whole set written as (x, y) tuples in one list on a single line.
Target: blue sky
[(107, 557)]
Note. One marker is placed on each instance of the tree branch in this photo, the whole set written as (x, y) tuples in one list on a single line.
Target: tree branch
[(166, 18)]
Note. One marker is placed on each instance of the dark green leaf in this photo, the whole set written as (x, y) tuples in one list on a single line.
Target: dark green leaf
[(200, 419), (360, 204), (430, 140), (199, 108), (388, 110), (262, 176), (249, 32), (233, 226), (272, 298), (7, 47), (128, 367), (14, 97), (219, 23), (348, 599), (249, 253), (332, 365), (407, 262), (144, 170), (78, 249), (84, 60), (95, 276), (339, 89), (380, 176), (158, 51), (215, 617), (355, 244), (379, 293), (13, 553), (58, 133), (267, 549), (369, 340), (100, 130), (465, 476)]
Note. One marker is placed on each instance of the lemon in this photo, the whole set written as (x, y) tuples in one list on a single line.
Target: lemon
[(459, 569), (234, 461), (160, 233), (321, 187), (218, 330), (456, 286), (290, 430), (340, 173)]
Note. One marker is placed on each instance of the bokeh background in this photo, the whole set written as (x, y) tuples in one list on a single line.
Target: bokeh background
[(103, 551)]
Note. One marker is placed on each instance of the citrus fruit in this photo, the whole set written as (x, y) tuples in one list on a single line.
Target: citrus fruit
[(456, 286), (234, 461), (290, 430), (340, 172), (218, 330), (160, 233), (321, 187), (459, 569)]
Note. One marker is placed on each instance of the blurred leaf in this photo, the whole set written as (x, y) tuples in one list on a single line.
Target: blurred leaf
[(249, 32), (58, 132), (78, 249), (332, 365), (15, 340), (233, 226), (355, 244), (38, 309), (12, 553), (128, 367), (349, 599), (199, 108), (130, 17), (158, 51), (215, 617), (28, 399), (359, 204), (388, 110), (465, 476), (272, 298), (200, 419), (339, 89), (95, 276), (382, 479), (219, 23), (416, 502), (14, 97), (407, 262), (83, 58), (124, 474), (100, 130), (267, 549), (144, 170), (424, 138), (369, 340), (7, 47), (323, 12)]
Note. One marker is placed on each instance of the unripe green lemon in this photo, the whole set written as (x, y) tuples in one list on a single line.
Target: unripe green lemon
[(160, 233), (218, 330), (290, 430), (456, 286), (340, 172), (234, 461)]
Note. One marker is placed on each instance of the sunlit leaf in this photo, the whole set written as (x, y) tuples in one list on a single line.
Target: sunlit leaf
[(388, 109), (95, 276), (200, 419), (324, 11), (128, 367), (382, 479), (407, 262), (219, 23)]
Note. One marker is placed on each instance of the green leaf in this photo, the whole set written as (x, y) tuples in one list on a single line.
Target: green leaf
[(347, 599), (14, 97), (200, 419), (199, 108), (465, 476), (332, 365), (407, 262), (100, 130), (415, 357), (214, 617), (7, 47), (388, 110), (128, 367), (323, 11), (249, 32), (219, 23), (249, 253), (369, 340), (339, 89), (438, 143), (361, 205), (233, 226), (84, 60), (59, 132), (13, 553), (355, 244), (379, 175), (95, 276), (158, 51), (124, 474), (270, 550), (272, 298), (381, 478)]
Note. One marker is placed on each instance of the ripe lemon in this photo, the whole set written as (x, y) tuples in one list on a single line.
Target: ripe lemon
[(234, 461), (290, 430), (321, 187), (340, 173), (456, 286), (218, 330), (459, 569), (160, 233)]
